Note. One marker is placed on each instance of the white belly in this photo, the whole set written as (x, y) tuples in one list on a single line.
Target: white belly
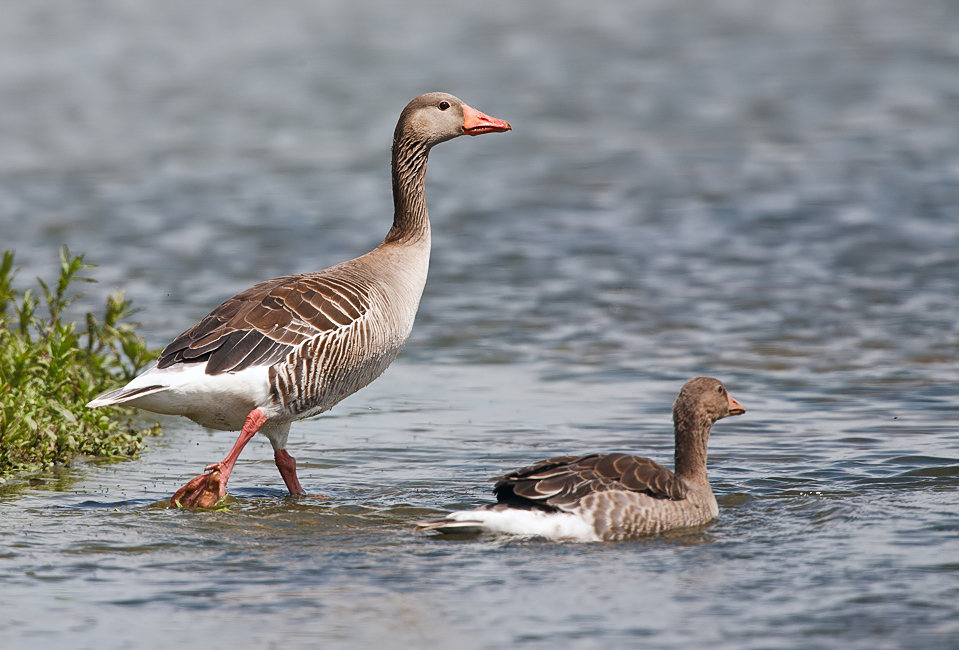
[(216, 401)]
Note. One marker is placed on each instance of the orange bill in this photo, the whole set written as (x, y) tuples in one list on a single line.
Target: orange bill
[(475, 123), (735, 408)]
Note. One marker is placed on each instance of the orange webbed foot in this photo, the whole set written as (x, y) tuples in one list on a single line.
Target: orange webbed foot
[(202, 491)]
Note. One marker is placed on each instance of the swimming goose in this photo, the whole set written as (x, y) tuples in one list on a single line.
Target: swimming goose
[(294, 346), (610, 497)]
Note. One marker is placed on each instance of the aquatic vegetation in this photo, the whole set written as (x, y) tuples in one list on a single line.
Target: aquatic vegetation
[(50, 367)]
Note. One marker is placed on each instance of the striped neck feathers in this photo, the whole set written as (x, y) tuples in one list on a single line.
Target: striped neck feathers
[(691, 427), (410, 219)]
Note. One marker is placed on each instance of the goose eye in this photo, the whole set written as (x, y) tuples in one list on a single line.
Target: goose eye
[(444, 105), (720, 390)]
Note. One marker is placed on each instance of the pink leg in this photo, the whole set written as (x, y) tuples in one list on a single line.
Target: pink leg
[(205, 490), (287, 466)]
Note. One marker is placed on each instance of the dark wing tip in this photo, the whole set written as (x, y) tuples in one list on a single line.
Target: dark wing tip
[(121, 395)]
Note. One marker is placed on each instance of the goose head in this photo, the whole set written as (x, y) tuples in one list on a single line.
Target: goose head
[(436, 117), (705, 400)]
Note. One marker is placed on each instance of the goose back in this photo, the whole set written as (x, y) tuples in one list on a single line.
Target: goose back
[(562, 481)]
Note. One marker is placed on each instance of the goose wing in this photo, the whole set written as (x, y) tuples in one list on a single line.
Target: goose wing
[(268, 321), (559, 483)]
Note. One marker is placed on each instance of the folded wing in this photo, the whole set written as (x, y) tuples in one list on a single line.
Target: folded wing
[(559, 483), (268, 321)]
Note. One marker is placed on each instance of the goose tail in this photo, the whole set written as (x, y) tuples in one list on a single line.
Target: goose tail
[(124, 394)]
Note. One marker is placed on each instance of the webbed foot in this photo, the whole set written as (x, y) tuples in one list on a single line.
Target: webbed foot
[(202, 491)]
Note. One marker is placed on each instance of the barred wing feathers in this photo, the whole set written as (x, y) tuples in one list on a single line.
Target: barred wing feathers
[(560, 483), (264, 324)]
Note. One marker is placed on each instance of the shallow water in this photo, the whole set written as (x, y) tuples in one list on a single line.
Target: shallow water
[(762, 192)]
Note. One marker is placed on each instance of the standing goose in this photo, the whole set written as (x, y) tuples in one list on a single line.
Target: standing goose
[(294, 346), (610, 497)]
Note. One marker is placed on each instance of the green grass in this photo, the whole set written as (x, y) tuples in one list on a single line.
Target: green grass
[(51, 367)]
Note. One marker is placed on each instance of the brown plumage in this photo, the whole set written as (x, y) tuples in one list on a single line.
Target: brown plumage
[(564, 480), (268, 321), (611, 496)]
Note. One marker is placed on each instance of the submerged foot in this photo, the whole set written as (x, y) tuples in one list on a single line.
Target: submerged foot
[(202, 491)]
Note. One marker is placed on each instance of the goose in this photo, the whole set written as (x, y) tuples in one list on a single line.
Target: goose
[(610, 497), (293, 347)]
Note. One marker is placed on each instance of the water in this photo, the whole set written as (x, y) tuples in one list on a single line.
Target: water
[(762, 192)]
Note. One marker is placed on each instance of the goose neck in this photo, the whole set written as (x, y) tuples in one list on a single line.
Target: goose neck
[(692, 438), (410, 218)]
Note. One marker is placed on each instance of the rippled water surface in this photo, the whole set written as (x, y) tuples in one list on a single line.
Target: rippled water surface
[(765, 192)]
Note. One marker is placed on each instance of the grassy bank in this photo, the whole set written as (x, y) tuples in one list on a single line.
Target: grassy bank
[(51, 367)]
